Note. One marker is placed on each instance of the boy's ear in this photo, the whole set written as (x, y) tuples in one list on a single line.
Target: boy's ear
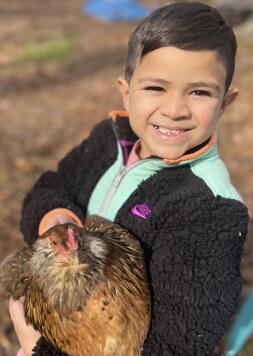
[(124, 90), (229, 97)]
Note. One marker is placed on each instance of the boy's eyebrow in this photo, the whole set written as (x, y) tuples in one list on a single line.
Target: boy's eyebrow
[(152, 79), (191, 85), (206, 85)]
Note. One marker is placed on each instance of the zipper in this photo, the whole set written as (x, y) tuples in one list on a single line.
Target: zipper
[(115, 184), (117, 179)]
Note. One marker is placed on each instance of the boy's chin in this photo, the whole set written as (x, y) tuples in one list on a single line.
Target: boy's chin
[(171, 151), (171, 154), (162, 154)]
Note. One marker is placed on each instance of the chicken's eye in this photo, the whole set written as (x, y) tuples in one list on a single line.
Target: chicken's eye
[(54, 242)]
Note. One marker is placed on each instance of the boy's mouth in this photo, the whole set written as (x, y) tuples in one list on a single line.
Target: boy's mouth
[(169, 131)]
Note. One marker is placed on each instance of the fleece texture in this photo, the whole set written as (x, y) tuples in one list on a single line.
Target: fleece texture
[(192, 239), (43, 348)]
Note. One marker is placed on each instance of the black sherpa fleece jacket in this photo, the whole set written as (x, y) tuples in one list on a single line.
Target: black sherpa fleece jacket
[(193, 241)]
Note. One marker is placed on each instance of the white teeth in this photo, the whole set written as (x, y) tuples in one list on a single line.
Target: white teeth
[(163, 130)]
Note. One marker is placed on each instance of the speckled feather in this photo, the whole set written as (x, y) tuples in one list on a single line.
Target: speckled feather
[(97, 301), (14, 273)]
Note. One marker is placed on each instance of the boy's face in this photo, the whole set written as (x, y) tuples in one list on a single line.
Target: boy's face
[(174, 100)]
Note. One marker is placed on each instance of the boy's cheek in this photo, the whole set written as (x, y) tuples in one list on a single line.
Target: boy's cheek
[(207, 115), (209, 122), (143, 107)]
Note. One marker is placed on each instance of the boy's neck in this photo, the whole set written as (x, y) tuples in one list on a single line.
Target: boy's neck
[(134, 153), (197, 148)]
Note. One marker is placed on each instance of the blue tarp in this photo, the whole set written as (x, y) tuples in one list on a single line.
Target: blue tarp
[(113, 10)]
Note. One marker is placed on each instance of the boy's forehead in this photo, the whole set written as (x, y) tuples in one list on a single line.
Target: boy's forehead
[(179, 63)]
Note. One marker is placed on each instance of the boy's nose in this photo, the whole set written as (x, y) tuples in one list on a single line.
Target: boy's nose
[(175, 107)]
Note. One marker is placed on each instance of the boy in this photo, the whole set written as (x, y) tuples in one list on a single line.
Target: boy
[(172, 190)]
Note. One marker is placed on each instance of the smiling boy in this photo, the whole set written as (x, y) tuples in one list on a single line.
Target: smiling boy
[(174, 100), (156, 171)]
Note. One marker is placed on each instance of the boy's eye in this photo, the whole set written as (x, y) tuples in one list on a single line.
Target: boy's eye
[(154, 88), (201, 93)]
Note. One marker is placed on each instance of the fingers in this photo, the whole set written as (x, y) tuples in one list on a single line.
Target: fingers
[(26, 334), (47, 222), (16, 309), (21, 353)]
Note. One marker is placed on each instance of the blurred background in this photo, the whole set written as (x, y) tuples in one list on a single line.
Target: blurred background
[(58, 70)]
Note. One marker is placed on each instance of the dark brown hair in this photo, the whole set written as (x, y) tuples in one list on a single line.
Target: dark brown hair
[(190, 26)]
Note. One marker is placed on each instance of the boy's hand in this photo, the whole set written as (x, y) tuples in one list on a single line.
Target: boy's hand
[(26, 334), (55, 220)]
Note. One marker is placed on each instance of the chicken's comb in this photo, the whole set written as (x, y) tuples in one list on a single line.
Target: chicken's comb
[(72, 241)]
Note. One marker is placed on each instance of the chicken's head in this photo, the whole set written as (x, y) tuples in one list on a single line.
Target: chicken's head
[(62, 239), (67, 263)]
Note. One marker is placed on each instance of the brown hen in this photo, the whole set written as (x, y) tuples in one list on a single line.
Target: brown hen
[(86, 288)]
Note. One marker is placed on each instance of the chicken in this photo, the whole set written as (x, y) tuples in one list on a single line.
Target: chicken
[(85, 289)]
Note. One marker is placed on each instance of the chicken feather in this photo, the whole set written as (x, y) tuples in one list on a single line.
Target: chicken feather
[(86, 289)]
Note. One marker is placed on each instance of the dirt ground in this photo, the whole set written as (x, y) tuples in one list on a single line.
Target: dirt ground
[(49, 103)]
